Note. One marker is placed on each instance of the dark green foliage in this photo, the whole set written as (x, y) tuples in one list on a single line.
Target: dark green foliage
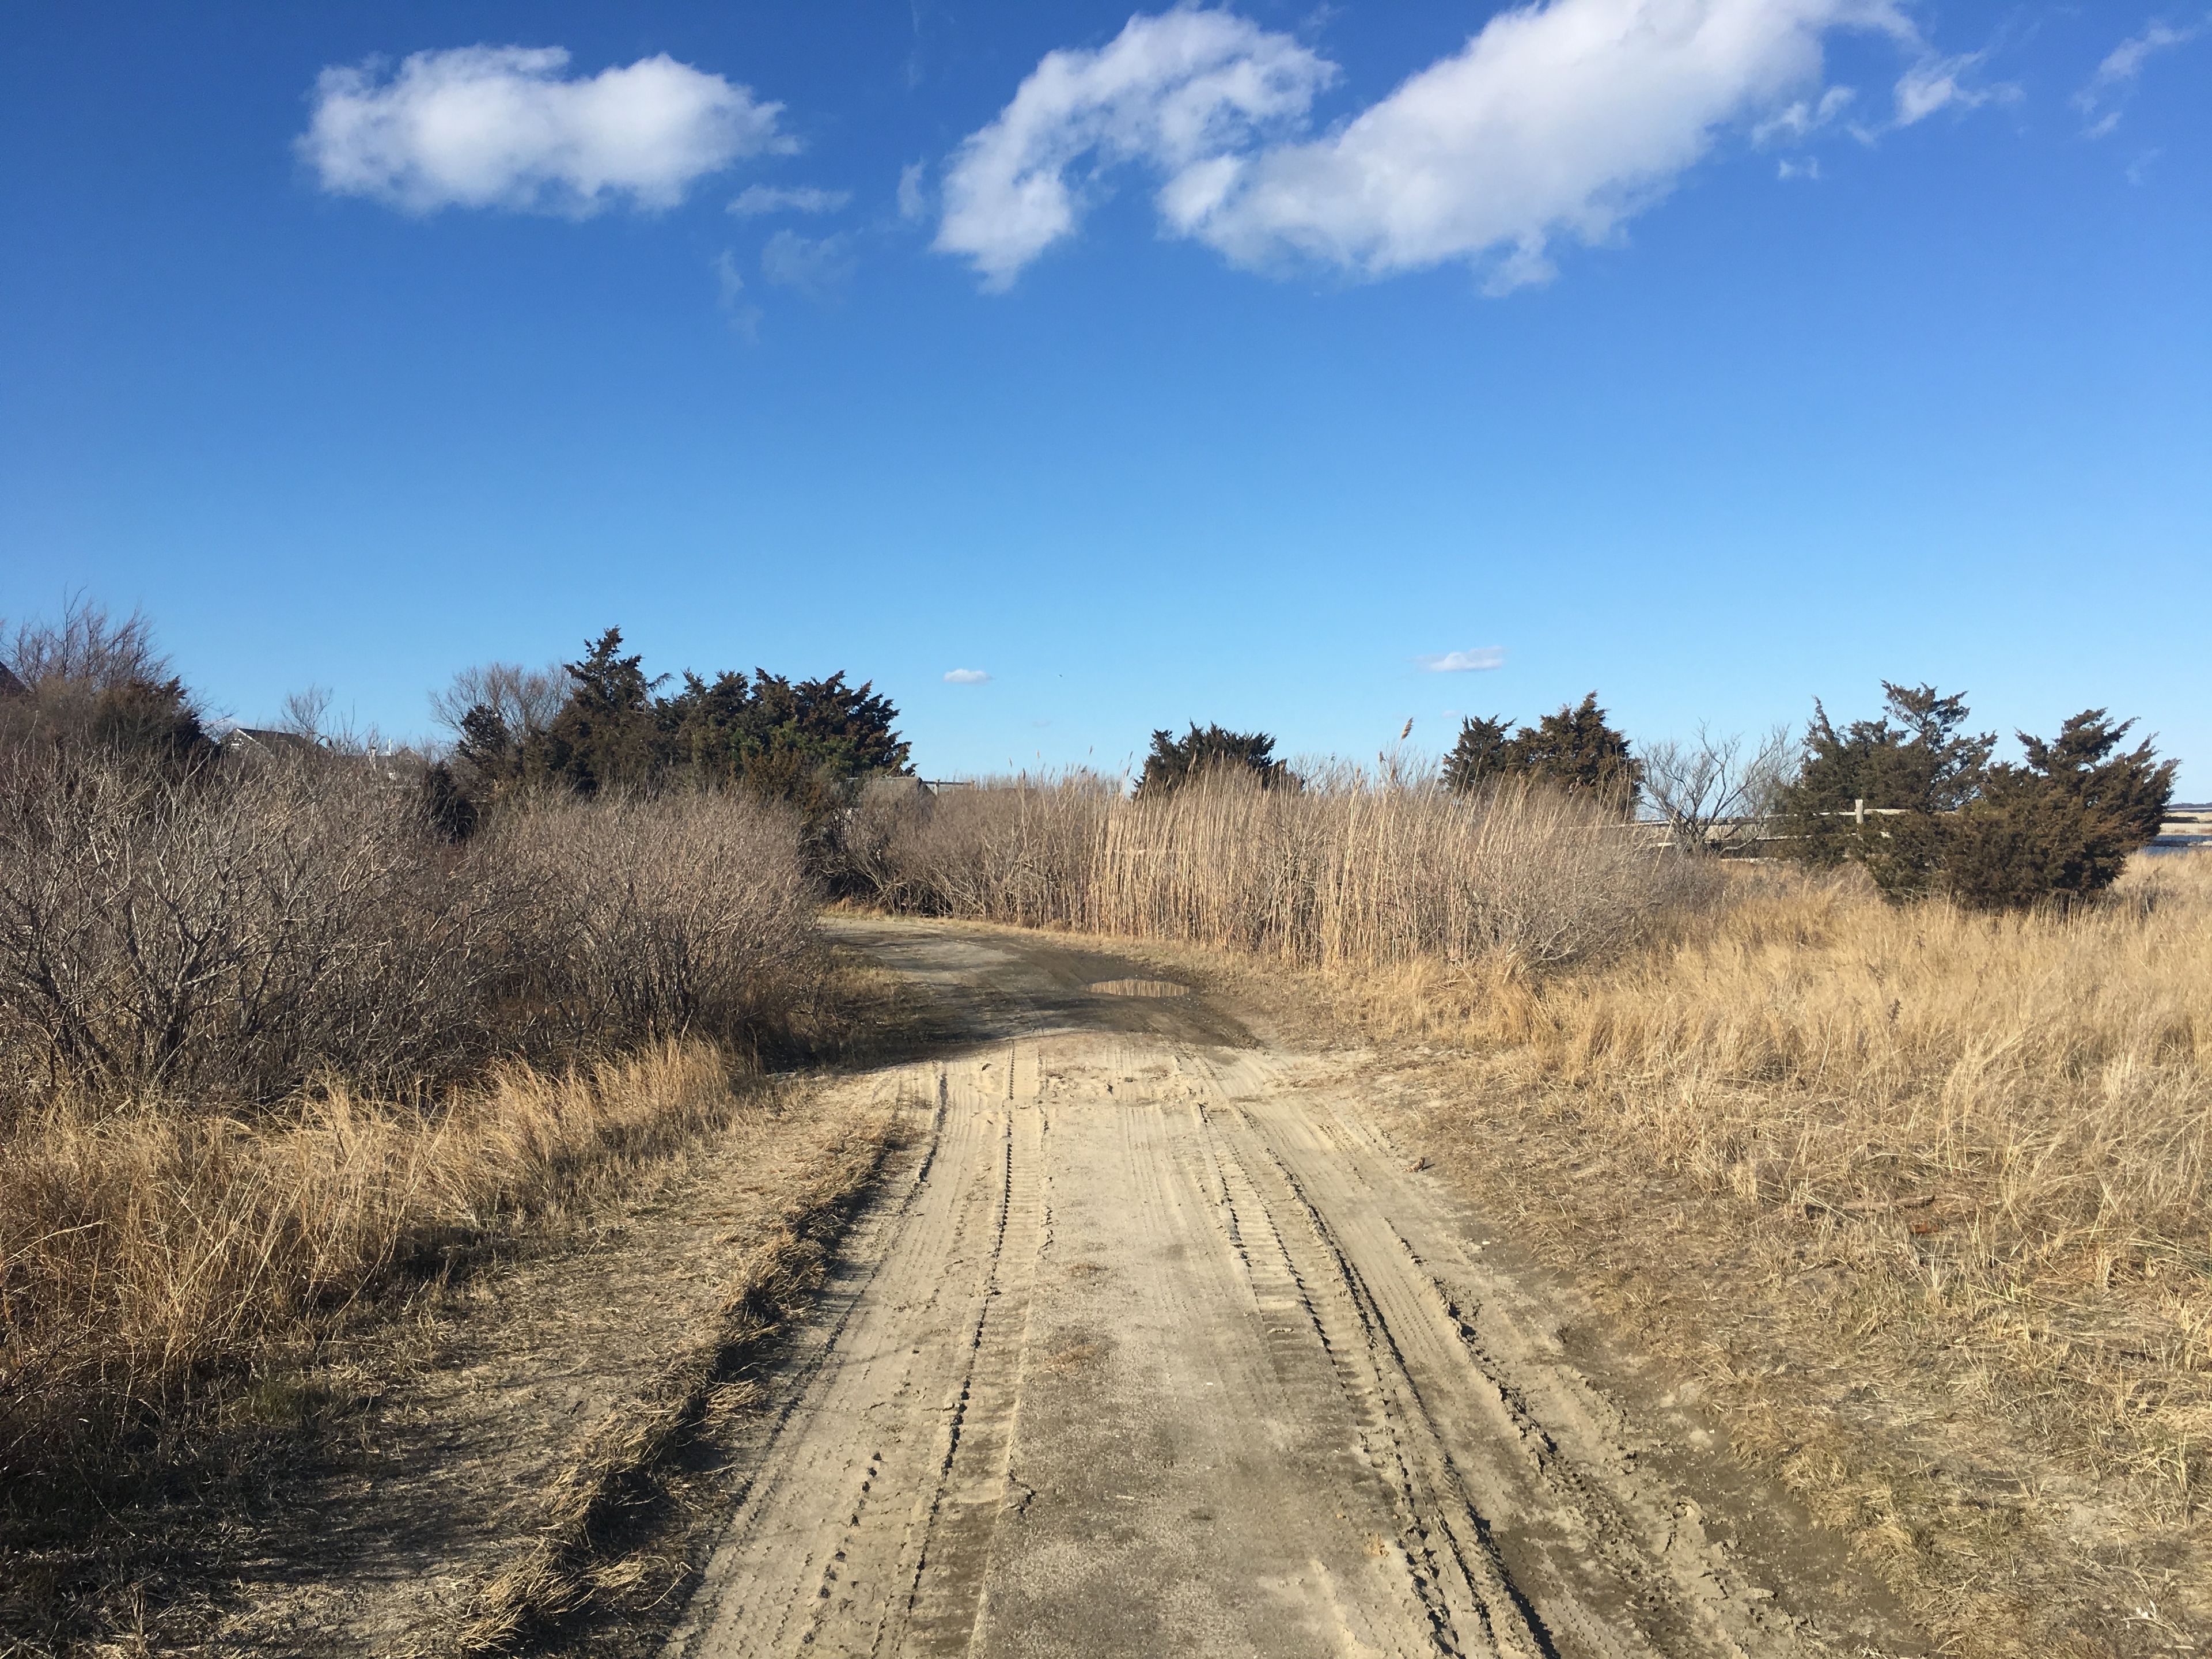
[(1909, 767), (154, 721), (1176, 760), (2061, 826), (1574, 750), (802, 741), (1938, 816), (606, 736), (448, 812), (1484, 750)]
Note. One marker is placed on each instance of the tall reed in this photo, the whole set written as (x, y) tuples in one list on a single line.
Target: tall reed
[(1350, 869)]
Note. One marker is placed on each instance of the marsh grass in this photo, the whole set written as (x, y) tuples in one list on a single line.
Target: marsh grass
[(1351, 869)]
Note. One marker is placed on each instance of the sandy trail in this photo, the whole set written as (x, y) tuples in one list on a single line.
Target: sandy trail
[(1157, 1346)]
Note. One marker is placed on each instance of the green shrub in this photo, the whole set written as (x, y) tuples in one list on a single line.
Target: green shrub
[(1573, 750), (1914, 798), (1175, 762)]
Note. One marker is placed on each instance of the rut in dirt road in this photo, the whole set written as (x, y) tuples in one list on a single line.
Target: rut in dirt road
[(1158, 1348)]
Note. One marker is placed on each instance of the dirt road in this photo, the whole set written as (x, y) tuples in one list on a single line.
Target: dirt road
[(1156, 1346)]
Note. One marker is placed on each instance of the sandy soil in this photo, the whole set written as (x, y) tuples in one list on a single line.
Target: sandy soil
[(1156, 1344)]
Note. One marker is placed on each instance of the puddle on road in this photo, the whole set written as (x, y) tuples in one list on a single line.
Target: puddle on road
[(1139, 987)]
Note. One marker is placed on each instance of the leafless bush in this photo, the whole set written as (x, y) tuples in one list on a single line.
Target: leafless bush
[(1702, 785), (224, 936), (525, 699), (1350, 869), (653, 918), (87, 646)]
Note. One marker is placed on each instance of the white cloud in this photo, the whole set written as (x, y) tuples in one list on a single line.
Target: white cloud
[(1183, 91), (816, 265), (756, 199), (1559, 120), (498, 127), (1809, 168), (1477, 661), (1804, 117), (2116, 76), (966, 676), (1940, 84), (912, 197)]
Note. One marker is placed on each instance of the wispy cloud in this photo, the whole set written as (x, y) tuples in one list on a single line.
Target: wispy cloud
[(1803, 117), (1935, 84), (912, 194), (500, 127), (1809, 168), (756, 199), (1480, 660), (1558, 121), (1184, 92), (729, 297), (966, 676), (2109, 88), (818, 266)]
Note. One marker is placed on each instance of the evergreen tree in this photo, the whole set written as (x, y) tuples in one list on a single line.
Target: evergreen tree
[(607, 735), (2061, 826), (805, 742), (1909, 767), (1484, 750), (1576, 751), (1175, 762), (1573, 750)]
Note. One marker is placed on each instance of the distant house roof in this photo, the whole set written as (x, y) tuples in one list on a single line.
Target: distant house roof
[(259, 737), (9, 685)]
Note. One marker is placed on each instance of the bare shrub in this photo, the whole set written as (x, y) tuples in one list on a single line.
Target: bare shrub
[(630, 919), (224, 936), (1702, 786), (87, 646), (1350, 869)]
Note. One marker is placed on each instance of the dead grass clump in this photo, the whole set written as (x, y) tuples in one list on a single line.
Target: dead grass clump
[(152, 1261), (1349, 869), (1958, 1163)]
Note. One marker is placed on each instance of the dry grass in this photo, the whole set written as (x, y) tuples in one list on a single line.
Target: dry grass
[(2026, 1100), (156, 1262), (1350, 869), (1921, 1193)]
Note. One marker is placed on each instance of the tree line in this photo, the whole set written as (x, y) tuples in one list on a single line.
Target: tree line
[(1910, 796), (603, 724)]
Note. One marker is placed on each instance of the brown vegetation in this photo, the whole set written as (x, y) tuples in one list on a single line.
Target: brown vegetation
[(1346, 870), (270, 1041), (1958, 1161)]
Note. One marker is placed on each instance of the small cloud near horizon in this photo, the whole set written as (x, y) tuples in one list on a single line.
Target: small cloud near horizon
[(1480, 660), (966, 676)]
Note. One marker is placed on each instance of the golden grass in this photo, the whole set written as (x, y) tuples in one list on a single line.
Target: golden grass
[(151, 1259), (1919, 1194), (1349, 869)]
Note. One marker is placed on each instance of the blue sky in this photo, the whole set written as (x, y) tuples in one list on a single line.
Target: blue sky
[(1235, 364)]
